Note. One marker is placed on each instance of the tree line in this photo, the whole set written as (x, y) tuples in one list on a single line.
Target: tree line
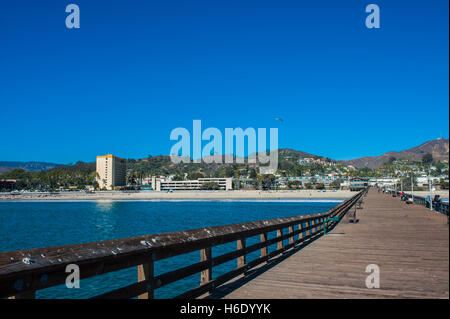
[(78, 175)]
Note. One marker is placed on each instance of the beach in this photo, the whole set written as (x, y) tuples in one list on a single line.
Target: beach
[(187, 195), (193, 195)]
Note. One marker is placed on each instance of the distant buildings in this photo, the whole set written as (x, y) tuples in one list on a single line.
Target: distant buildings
[(319, 161), (384, 181), (111, 171), (166, 185), (357, 184), (267, 170), (425, 180), (326, 180)]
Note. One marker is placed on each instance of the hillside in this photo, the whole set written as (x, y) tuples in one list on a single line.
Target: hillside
[(439, 148), (162, 165), (28, 166), (287, 159)]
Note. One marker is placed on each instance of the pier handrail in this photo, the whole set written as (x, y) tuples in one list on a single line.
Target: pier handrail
[(441, 207), (23, 272)]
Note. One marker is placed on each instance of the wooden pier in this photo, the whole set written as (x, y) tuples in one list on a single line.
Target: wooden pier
[(409, 243), (322, 255)]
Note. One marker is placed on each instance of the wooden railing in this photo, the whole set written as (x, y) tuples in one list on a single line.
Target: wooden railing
[(25, 271), (441, 207)]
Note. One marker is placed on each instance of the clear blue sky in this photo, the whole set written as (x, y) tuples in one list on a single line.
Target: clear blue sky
[(137, 69)]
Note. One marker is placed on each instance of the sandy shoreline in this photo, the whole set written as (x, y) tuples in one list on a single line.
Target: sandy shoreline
[(149, 195), (192, 195)]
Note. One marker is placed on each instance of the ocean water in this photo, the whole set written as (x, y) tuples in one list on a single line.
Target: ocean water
[(35, 224)]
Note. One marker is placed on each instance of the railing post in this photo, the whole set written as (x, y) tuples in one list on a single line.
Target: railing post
[(279, 234), (311, 227), (146, 272), (206, 275), (300, 233), (291, 230), (264, 249), (241, 245)]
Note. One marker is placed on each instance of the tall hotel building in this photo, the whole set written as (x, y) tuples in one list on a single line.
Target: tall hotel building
[(111, 171)]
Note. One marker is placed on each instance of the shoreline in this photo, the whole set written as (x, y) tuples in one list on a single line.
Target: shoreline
[(192, 195), (175, 200), (179, 195)]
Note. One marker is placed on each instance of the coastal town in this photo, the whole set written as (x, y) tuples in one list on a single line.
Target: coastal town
[(296, 173), (224, 158)]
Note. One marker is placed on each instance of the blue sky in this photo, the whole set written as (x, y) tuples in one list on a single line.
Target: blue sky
[(135, 70)]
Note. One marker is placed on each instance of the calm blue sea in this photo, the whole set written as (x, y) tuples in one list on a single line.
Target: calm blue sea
[(37, 224)]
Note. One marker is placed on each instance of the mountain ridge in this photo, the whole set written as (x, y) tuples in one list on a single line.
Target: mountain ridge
[(438, 148), (6, 166)]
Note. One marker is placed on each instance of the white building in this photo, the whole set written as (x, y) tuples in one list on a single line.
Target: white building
[(423, 180), (165, 185), (263, 170), (385, 181)]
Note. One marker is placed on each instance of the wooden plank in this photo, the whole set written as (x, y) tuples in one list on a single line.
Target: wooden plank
[(193, 293), (279, 235), (263, 240), (164, 279), (248, 249), (241, 260), (291, 231), (146, 273), (302, 233), (206, 275)]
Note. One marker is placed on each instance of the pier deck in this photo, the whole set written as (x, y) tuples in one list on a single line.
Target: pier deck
[(409, 243)]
